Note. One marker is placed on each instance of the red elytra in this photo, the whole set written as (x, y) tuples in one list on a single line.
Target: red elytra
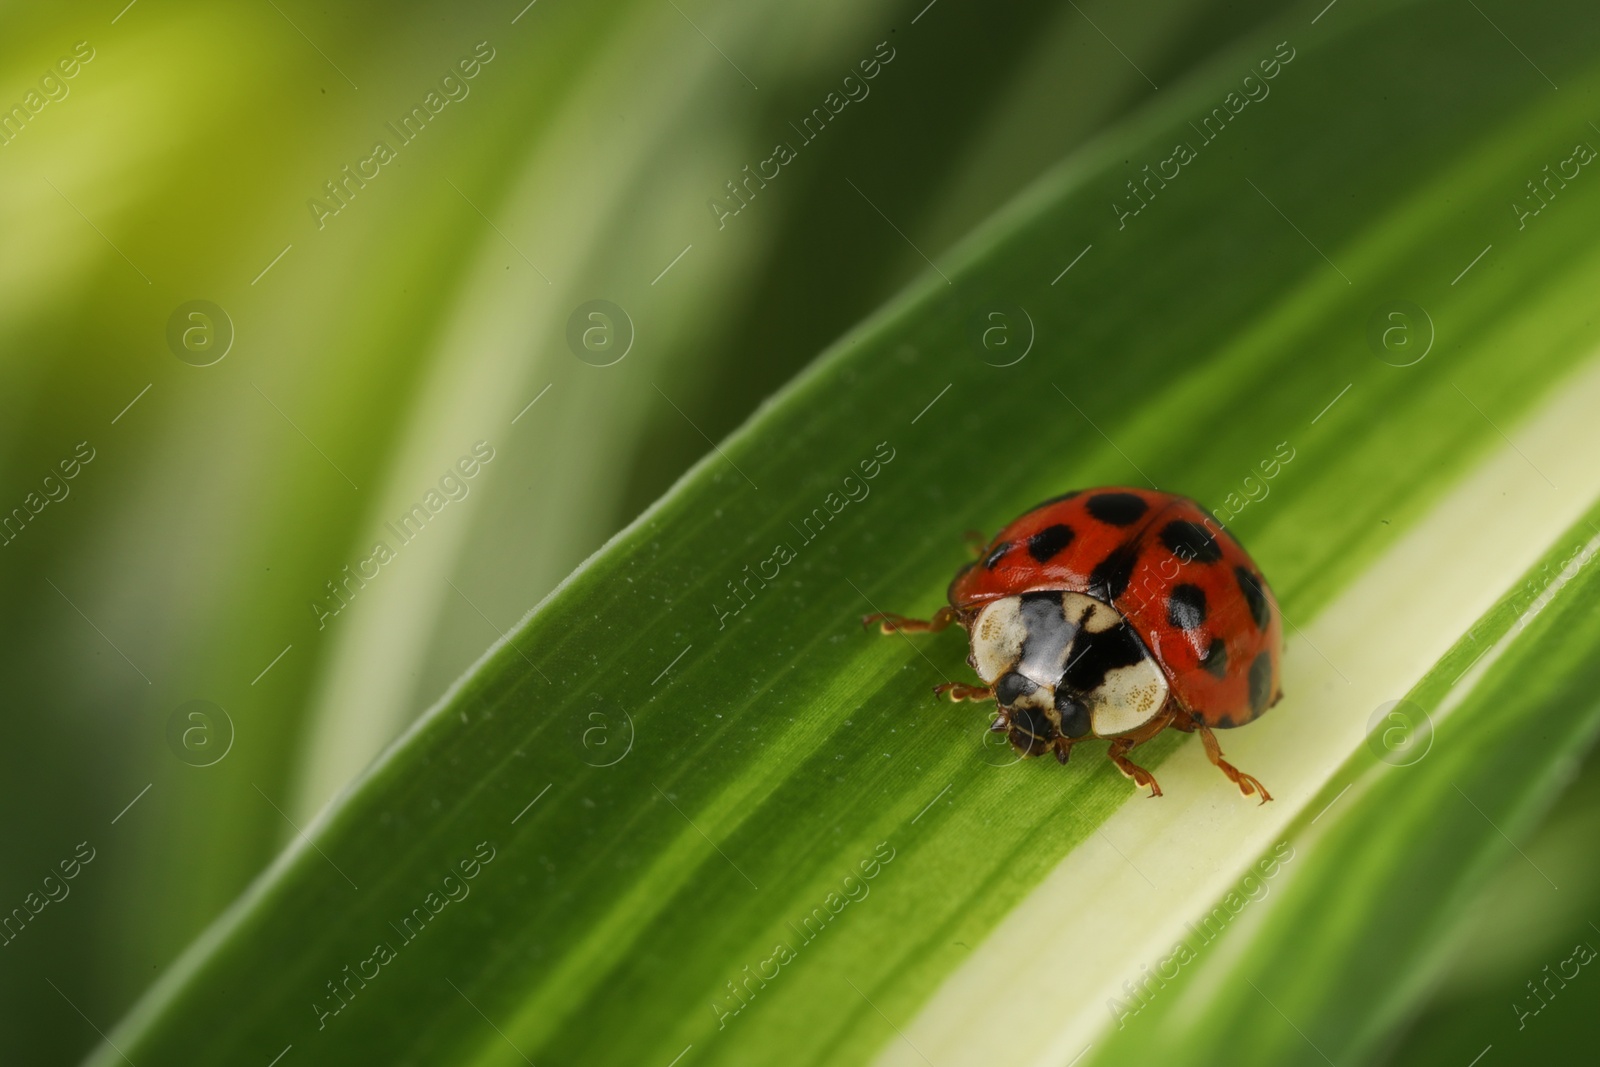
[(1193, 598)]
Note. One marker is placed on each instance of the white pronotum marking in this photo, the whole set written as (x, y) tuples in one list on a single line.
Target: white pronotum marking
[(1038, 640)]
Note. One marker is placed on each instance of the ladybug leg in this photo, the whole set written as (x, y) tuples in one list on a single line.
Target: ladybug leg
[(960, 691), (1247, 783), (1062, 747), (890, 623), (1140, 776)]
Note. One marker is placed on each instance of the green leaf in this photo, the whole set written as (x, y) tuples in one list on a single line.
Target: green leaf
[(1487, 741), (773, 749), (410, 326)]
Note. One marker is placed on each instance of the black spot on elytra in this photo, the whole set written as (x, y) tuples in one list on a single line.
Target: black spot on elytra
[(1190, 541), (1186, 606), (1094, 655), (1118, 509), (1250, 586), (1011, 686), (993, 558), (1044, 545), (1074, 716), (1110, 577), (1215, 660), (1260, 683)]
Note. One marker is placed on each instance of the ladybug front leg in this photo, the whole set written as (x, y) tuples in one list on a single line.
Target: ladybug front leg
[(960, 691), (1247, 783), (1140, 776), (890, 623)]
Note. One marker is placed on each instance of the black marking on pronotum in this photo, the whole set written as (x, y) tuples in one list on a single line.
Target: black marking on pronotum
[(994, 557), (1215, 661), (1186, 606), (1044, 545), (1190, 541), (1094, 655), (1260, 683), (1117, 509), (1250, 586), (1074, 716), (1012, 686), (1043, 600), (1110, 577)]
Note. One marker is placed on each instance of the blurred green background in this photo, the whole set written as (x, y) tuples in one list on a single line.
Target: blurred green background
[(372, 349)]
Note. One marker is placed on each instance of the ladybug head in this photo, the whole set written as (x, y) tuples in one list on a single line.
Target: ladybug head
[(1064, 666)]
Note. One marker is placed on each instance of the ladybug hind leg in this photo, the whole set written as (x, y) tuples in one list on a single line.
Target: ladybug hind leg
[(1247, 783), (891, 623)]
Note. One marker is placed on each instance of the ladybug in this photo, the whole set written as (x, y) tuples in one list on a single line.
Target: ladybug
[(1114, 613)]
